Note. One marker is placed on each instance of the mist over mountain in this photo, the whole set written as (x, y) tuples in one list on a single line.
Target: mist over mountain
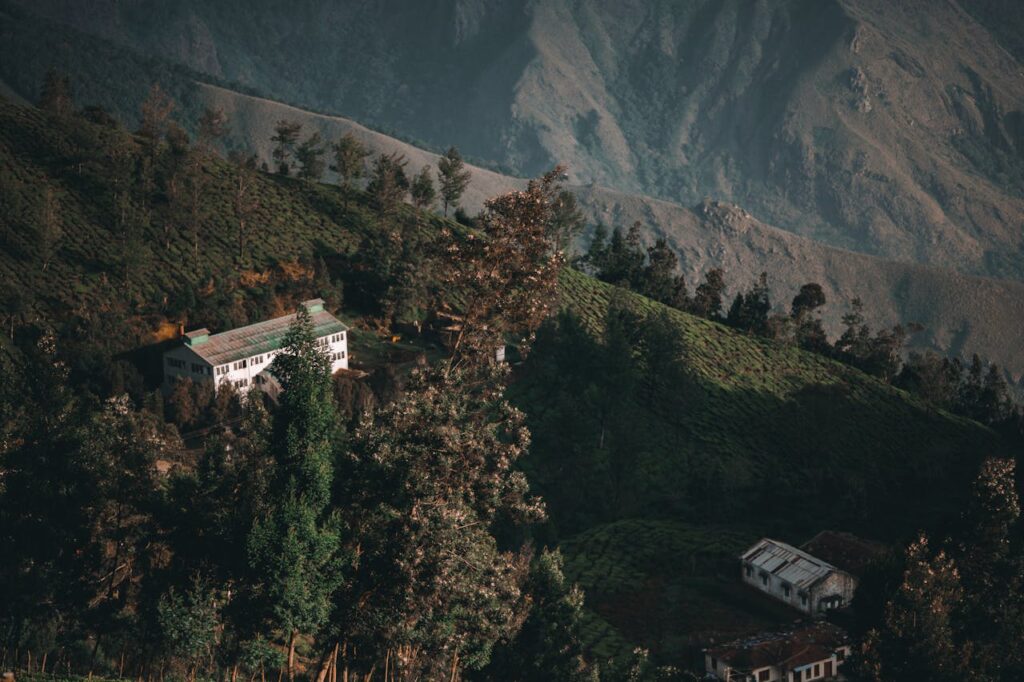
[(890, 129)]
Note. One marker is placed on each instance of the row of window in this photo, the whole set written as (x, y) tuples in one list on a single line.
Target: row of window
[(336, 356), (787, 589)]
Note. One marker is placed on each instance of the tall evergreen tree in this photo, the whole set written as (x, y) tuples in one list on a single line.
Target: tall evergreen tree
[(809, 332), (309, 156), (349, 162), (295, 546), (422, 189), (749, 311), (707, 299), (286, 136), (388, 183), (453, 178), (433, 473)]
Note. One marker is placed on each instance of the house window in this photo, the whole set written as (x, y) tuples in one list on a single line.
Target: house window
[(179, 364), (840, 654), (197, 368), (786, 590), (764, 675), (803, 599), (817, 670), (764, 578), (750, 570), (714, 663), (797, 675)]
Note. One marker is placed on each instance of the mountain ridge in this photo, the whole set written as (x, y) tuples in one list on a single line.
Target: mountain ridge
[(893, 130), (976, 313)]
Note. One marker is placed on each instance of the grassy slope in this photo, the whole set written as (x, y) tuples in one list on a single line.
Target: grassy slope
[(761, 406), (961, 314), (837, 448)]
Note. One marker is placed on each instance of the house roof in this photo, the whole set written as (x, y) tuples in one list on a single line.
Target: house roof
[(788, 563), (262, 337), (786, 649), (845, 550)]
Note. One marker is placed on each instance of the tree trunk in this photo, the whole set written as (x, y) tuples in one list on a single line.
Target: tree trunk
[(455, 667), (42, 666), (324, 666), (291, 656)]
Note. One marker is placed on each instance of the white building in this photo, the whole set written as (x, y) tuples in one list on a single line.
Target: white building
[(241, 357), (795, 577), (806, 652)]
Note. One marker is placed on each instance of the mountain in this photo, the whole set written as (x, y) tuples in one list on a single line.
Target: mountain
[(730, 437), (890, 129), (960, 313)]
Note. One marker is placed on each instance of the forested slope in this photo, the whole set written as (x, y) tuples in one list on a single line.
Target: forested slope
[(660, 439)]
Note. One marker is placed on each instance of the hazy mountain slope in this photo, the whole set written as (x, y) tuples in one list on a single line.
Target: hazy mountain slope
[(889, 128), (961, 313)]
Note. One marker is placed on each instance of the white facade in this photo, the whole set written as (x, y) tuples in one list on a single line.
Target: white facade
[(795, 577), (241, 357), (810, 651)]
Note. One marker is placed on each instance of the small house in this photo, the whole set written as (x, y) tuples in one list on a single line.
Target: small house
[(796, 578), (814, 651)]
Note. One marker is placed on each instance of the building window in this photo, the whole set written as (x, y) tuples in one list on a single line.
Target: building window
[(840, 654), (179, 364), (750, 570), (714, 663), (786, 590), (817, 669), (764, 675), (764, 578), (803, 599)]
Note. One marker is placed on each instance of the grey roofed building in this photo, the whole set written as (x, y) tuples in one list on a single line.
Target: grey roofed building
[(796, 577), (261, 337)]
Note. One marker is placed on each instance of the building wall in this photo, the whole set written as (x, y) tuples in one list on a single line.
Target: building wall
[(837, 583), (190, 362), (242, 373), (806, 672), (776, 588)]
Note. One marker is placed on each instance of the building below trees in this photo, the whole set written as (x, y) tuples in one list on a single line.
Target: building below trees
[(812, 651), (241, 357)]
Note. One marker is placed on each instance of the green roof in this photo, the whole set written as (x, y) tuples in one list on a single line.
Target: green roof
[(262, 337)]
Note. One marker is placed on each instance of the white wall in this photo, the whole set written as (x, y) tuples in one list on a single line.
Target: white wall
[(335, 345)]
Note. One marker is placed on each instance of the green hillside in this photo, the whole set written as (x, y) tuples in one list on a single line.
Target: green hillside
[(662, 442), (658, 474)]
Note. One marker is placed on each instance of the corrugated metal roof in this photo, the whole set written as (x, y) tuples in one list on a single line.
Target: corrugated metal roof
[(788, 563), (262, 337)]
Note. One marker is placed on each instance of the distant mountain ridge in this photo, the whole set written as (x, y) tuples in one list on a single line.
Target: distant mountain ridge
[(894, 129), (961, 313)]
